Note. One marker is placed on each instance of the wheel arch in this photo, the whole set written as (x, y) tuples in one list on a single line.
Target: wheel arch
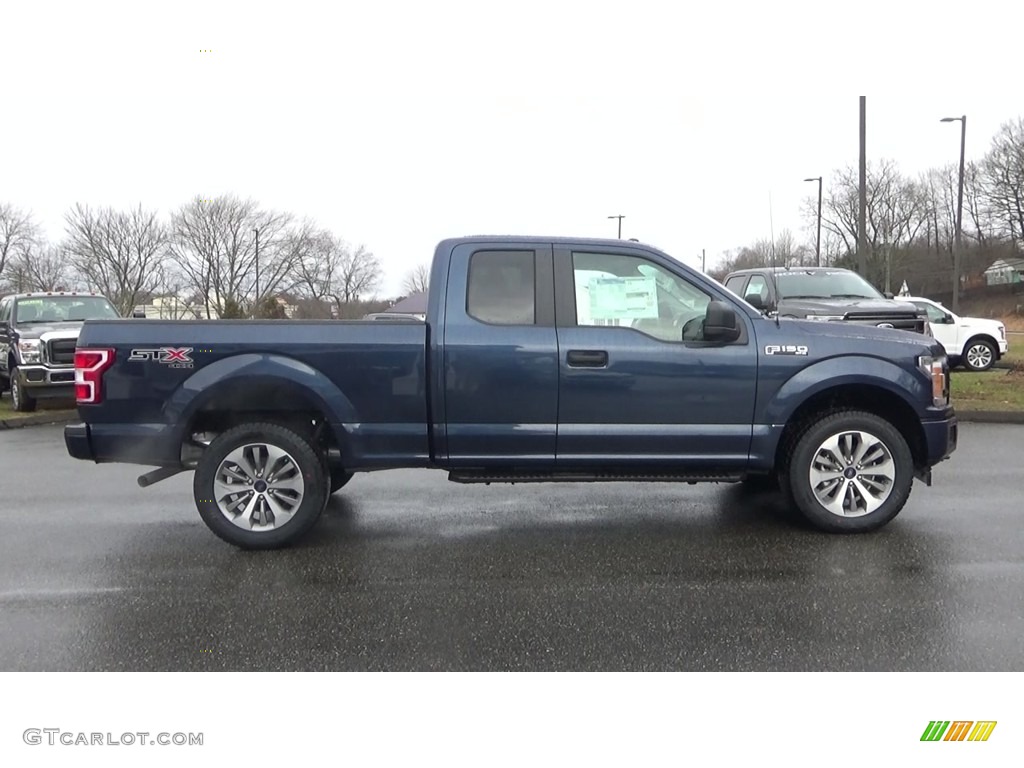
[(261, 388), (871, 398)]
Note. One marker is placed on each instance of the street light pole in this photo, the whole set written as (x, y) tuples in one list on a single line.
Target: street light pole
[(817, 243), (257, 301), (957, 243), (620, 218)]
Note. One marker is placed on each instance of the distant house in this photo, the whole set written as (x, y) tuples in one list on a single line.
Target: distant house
[(1005, 271), (413, 304)]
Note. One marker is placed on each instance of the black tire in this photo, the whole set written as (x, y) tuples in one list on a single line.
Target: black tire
[(21, 400), (893, 457), (303, 459), (979, 355)]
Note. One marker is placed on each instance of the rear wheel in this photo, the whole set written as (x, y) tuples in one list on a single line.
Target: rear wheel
[(260, 486), (850, 472), (979, 355), (20, 399)]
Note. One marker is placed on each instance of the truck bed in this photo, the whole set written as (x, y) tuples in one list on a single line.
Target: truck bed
[(369, 380)]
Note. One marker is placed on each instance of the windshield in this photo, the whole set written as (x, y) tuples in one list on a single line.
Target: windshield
[(60, 309), (824, 284)]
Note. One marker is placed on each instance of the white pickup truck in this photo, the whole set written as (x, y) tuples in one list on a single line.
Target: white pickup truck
[(974, 342)]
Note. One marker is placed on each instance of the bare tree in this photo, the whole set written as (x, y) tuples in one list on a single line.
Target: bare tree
[(18, 233), (1003, 172), (358, 276), (43, 267), (317, 263), (417, 280), (117, 252), (214, 245)]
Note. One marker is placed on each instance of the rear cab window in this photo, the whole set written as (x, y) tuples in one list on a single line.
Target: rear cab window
[(501, 287)]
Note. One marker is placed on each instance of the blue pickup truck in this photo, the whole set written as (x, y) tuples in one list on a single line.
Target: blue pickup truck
[(541, 359)]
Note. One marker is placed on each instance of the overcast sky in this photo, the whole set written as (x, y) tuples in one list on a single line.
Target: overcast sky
[(398, 124)]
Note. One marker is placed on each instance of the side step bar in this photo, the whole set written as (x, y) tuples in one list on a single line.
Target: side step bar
[(621, 476)]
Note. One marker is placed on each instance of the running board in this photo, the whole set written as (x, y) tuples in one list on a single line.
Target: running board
[(512, 476)]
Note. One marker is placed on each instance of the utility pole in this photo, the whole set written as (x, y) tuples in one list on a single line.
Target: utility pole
[(957, 241), (256, 307), (703, 261), (862, 225), (620, 218), (817, 243)]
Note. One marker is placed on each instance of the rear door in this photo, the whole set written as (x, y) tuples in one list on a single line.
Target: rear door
[(500, 356), (638, 385)]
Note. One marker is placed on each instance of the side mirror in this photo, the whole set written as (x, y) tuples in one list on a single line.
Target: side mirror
[(139, 314), (720, 323), (755, 301), (947, 319), (888, 295)]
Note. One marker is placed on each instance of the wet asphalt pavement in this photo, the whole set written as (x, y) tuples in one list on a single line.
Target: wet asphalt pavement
[(407, 571)]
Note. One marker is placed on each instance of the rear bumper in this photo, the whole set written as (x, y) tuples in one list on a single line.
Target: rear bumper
[(940, 438), (147, 444), (76, 438)]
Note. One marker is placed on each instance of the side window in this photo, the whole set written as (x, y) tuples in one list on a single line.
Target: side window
[(757, 287), (935, 315), (5, 310), (631, 292), (735, 284), (501, 287)]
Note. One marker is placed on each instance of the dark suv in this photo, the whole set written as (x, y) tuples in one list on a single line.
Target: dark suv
[(38, 335), (824, 293)]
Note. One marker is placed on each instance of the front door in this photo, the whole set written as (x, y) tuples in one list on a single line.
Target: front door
[(638, 385)]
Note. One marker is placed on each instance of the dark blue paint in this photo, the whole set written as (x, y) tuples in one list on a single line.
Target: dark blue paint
[(457, 392)]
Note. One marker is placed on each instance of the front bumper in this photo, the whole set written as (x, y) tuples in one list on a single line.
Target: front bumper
[(43, 382), (1004, 347), (940, 438)]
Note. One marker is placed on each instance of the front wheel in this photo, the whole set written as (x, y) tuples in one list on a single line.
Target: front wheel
[(260, 486), (979, 355), (850, 472), (21, 400)]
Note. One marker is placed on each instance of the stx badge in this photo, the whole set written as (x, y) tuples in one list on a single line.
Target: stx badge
[(172, 357)]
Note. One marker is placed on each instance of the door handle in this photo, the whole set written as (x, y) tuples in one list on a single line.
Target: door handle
[(587, 358)]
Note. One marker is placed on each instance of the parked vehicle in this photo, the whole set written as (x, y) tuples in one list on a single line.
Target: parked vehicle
[(524, 371), (825, 294), (974, 342), (392, 316), (38, 333)]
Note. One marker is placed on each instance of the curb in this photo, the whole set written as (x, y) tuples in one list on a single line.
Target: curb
[(57, 417), (991, 417)]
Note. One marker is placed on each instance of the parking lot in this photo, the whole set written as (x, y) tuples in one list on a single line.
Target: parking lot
[(408, 571)]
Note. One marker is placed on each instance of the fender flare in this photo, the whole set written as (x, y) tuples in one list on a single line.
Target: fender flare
[(215, 379)]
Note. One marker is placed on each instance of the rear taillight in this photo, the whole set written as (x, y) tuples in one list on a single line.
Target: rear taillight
[(89, 367)]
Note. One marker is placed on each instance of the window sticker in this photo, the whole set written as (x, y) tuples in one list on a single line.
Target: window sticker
[(616, 298)]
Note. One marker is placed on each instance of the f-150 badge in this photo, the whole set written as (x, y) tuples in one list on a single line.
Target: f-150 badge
[(785, 349), (172, 357)]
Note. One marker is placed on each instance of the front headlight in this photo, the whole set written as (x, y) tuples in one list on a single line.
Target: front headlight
[(826, 318), (29, 351), (1002, 331), (935, 368)]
